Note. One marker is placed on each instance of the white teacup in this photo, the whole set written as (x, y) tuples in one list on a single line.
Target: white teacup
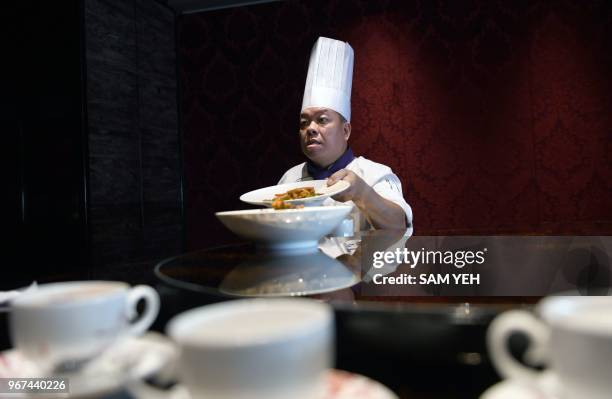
[(573, 338), (70, 323), (255, 348)]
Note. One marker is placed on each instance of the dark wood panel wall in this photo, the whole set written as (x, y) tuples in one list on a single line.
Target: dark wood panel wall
[(42, 131), (134, 149), (91, 129)]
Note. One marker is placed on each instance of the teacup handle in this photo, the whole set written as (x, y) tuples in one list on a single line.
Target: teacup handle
[(151, 298), (497, 341)]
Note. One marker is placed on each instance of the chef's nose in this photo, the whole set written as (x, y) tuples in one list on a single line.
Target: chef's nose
[(312, 129)]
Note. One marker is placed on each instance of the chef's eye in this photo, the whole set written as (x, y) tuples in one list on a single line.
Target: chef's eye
[(323, 120), (303, 123)]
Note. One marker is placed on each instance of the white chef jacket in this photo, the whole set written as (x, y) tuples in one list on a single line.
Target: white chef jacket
[(380, 177)]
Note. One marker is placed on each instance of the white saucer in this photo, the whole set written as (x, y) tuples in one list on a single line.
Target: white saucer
[(345, 385), (131, 359), (545, 387), (338, 385)]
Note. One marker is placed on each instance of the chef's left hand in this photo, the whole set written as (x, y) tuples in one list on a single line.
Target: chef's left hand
[(356, 192)]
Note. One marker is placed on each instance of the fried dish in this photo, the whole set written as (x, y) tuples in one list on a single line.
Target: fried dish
[(297, 193), (279, 204)]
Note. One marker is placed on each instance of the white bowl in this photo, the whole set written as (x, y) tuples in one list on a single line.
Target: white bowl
[(285, 229), (264, 196)]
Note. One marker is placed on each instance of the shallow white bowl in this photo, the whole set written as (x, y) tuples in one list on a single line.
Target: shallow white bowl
[(285, 229)]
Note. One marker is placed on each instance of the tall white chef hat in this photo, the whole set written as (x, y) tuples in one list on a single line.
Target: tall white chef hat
[(330, 77)]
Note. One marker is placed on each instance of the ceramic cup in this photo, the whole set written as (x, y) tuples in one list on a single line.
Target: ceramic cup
[(255, 348), (572, 336), (72, 322)]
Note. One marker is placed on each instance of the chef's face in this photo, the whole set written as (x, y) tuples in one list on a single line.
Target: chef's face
[(323, 135)]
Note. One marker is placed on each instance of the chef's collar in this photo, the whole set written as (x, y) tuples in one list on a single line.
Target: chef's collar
[(319, 173)]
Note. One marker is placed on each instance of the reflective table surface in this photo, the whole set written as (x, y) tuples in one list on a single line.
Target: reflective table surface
[(421, 330), (421, 341), (387, 266)]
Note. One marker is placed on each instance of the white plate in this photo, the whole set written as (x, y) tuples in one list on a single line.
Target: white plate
[(285, 229), (546, 386), (129, 360), (338, 385), (289, 275), (264, 196)]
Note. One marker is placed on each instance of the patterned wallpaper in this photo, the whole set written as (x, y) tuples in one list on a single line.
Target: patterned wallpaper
[(495, 114)]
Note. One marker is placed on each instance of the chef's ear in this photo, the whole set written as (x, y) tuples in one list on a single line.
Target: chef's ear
[(347, 130)]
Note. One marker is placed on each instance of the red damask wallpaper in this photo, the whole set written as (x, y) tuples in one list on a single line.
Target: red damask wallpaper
[(496, 115)]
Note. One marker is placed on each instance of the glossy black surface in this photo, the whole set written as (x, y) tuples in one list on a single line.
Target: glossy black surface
[(421, 347)]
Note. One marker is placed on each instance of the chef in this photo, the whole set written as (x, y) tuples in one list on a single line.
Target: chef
[(325, 128)]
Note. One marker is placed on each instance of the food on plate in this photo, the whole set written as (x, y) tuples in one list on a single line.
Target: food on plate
[(279, 204), (296, 193)]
